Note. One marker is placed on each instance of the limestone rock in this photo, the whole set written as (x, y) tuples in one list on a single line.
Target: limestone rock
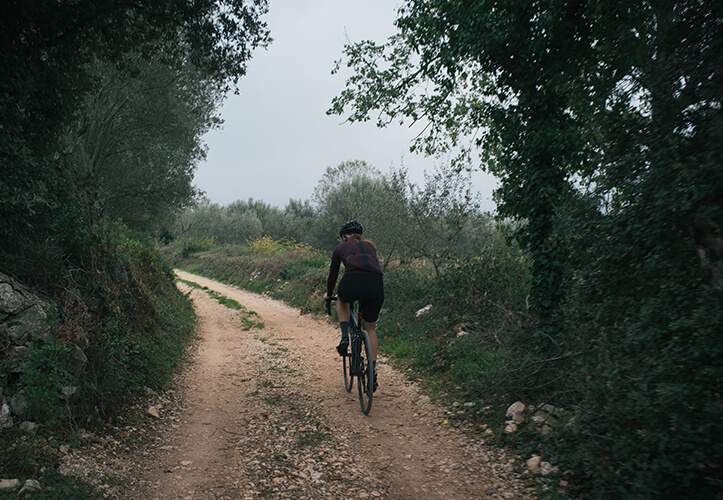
[(9, 484), (28, 427), (31, 486), (11, 302), (19, 357), (28, 322), (547, 468), (516, 412), (19, 403), (6, 419), (423, 310)]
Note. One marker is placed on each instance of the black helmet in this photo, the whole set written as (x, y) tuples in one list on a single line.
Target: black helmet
[(350, 227)]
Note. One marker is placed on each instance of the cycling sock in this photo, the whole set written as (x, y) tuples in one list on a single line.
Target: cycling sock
[(344, 330)]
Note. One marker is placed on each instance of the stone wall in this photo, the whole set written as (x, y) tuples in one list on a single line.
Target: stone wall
[(23, 315)]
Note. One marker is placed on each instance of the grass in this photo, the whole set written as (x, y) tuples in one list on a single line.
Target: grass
[(249, 319), (310, 438)]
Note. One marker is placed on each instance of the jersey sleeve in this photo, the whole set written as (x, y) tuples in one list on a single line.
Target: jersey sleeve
[(333, 274)]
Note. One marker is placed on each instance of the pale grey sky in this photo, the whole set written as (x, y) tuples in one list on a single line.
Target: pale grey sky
[(277, 140)]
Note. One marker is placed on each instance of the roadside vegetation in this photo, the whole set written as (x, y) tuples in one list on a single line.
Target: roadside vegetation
[(102, 112)]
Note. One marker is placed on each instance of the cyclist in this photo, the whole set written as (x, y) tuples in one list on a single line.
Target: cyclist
[(362, 280)]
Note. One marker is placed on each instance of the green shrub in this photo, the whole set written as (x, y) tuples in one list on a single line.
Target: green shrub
[(46, 374)]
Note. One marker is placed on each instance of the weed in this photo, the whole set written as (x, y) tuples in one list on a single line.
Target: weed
[(310, 438)]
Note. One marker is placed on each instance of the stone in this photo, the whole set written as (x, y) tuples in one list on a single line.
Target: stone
[(31, 321), (423, 310), (19, 357), (30, 486), (546, 468), (6, 418), (78, 360), (153, 412), (533, 461), (538, 419), (19, 403), (516, 411), (11, 302), (28, 427), (69, 391), (511, 427), (9, 484)]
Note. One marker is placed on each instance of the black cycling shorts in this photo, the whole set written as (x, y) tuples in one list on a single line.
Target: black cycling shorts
[(366, 288)]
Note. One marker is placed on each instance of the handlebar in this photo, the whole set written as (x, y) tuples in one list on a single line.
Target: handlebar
[(328, 304)]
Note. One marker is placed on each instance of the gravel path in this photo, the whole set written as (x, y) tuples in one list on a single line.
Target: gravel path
[(262, 413)]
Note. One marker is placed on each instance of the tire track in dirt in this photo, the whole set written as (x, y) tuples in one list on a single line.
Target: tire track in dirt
[(265, 415)]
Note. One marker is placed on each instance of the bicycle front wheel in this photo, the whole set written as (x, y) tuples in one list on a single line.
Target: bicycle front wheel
[(365, 374)]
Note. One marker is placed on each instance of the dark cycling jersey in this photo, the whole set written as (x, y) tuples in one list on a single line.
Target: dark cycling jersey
[(358, 257)]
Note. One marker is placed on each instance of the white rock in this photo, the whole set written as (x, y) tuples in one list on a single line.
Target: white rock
[(423, 310), (6, 419), (30, 486), (511, 427), (8, 484), (516, 411), (547, 468), (68, 391), (153, 412)]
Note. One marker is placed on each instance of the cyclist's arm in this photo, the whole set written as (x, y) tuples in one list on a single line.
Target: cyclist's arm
[(333, 275)]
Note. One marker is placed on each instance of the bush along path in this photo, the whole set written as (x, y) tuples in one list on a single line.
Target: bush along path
[(261, 412)]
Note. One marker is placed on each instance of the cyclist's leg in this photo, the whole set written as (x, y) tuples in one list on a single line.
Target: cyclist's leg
[(343, 313), (372, 300), (371, 329), (342, 310)]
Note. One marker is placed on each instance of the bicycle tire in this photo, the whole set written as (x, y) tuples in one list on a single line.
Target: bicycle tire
[(348, 376), (365, 374)]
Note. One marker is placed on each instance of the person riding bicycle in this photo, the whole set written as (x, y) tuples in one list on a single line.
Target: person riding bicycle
[(362, 281)]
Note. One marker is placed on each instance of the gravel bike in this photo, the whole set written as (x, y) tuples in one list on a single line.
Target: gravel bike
[(358, 362)]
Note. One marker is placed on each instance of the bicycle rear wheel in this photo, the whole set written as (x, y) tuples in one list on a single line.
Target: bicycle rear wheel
[(365, 374), (346, 361)]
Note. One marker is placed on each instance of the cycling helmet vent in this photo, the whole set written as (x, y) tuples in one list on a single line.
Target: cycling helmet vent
[(351, 227)]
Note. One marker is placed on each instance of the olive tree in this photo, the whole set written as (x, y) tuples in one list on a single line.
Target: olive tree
[(132, 153)]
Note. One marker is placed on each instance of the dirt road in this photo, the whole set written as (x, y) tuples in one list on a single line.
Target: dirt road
[(263, 414)]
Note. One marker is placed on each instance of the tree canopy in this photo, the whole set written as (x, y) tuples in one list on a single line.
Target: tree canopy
[(602, 120), (51, 55)]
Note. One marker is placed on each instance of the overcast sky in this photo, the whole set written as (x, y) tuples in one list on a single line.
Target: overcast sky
[(277, 141)]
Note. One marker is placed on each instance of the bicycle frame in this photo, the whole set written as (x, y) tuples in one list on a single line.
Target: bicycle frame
[(359, 359)]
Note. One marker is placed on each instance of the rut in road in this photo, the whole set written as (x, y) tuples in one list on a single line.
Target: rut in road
[(265, 415)]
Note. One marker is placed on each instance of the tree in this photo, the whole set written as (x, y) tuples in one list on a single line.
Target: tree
[(603, 122), (208, 220), (356, 190), (498, 75), (132, 153), (436, 215), (44, 54), (273, 220)]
